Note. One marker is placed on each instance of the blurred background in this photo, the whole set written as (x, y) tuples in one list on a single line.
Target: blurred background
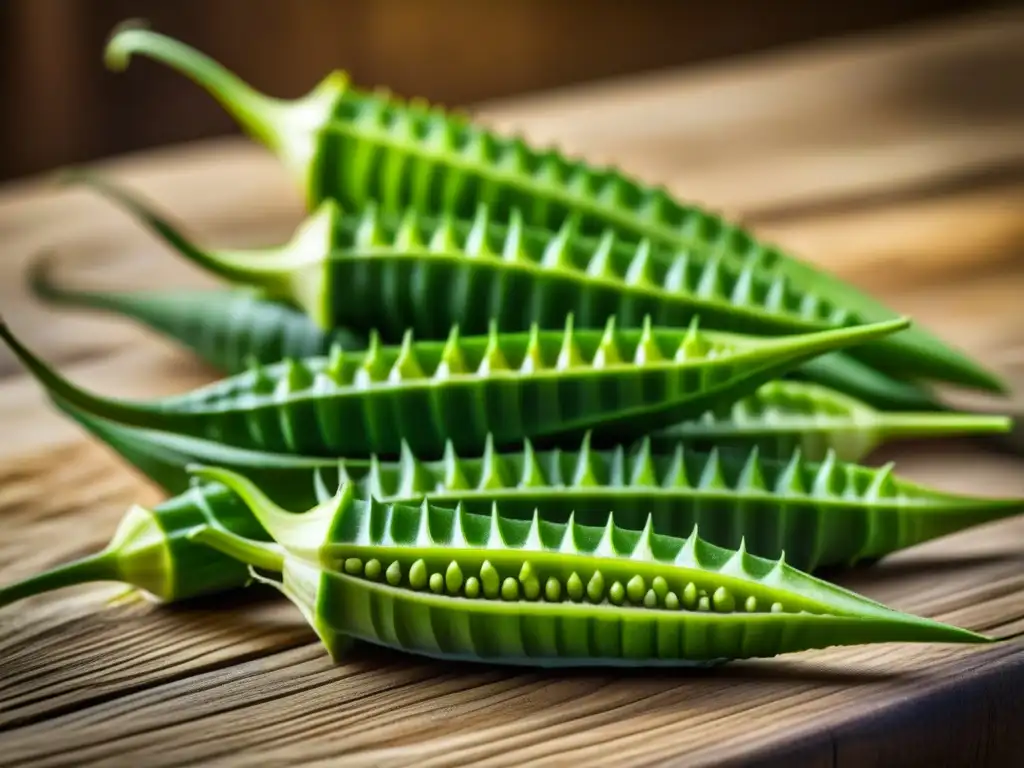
[(60, 105)]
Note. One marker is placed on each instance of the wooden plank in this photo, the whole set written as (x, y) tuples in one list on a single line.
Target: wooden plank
[(242, 678)]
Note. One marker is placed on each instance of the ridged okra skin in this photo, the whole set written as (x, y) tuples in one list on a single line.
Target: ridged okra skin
[(819, 513), (151, 550), (227, 329), (356, 147), (389, 272), (450, 584), (370, 270), (230, 329), (548, 385)]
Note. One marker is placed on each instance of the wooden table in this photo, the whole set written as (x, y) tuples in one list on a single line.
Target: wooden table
[(897, 161)]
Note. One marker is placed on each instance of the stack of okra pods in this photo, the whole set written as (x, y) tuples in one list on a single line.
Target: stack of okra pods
[(493, 403)]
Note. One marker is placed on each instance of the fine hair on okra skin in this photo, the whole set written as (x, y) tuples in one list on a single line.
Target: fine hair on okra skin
[(357, 148), (389, 273), (450, 584), (548, 385)]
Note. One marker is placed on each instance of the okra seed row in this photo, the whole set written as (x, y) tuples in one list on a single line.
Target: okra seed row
[(489, 583)]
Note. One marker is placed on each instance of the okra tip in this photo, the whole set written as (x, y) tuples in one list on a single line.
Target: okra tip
[(39, 275), (118, 51)]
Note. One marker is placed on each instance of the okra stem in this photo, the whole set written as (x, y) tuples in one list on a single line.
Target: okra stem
[(102, 566)]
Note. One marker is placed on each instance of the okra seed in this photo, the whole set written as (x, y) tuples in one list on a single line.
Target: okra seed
[(650, 599), (453, 577), (751, 604), (510, 589), (418, 574), (353, 566), (671, 601), (490, 580), (660, 587), (531, 588), (776, 607), (704, 604), (635, 588), (617, 593), (575, 587), (690, 596), (526, 571), (372, 569), (472, 587), (553, 589), (436, 583), (723, 600), (394, 574), (595, 587)]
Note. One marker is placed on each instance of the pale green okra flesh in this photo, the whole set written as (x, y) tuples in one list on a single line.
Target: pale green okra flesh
[(549, 385), (355, 147), (450, 584)]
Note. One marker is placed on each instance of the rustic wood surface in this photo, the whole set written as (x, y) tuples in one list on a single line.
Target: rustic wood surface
[(897, 161)]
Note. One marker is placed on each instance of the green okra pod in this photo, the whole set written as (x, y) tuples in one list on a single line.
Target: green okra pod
[(453, 585), (819, 514), (390, 273), (152, 552), (547, 385), (356, 148), (782, 416), (230, 329), (225, 328)]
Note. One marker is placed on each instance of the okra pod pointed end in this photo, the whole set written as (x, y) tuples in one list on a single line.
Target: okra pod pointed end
[(39, 277), (118, 51), (58, 386)]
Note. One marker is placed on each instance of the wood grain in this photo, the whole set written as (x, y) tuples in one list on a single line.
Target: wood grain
[(844, 154)]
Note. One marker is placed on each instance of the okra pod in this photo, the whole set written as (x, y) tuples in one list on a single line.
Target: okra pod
[(355, 147), (548, 385), (782, 416), (452, 585), (225, 328)]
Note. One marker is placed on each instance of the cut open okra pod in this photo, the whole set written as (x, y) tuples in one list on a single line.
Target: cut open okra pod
[(547, 385), (453, 585), (358, 148)]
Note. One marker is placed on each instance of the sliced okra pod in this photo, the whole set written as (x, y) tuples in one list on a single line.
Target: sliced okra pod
[(356, 147), (450, 584)]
